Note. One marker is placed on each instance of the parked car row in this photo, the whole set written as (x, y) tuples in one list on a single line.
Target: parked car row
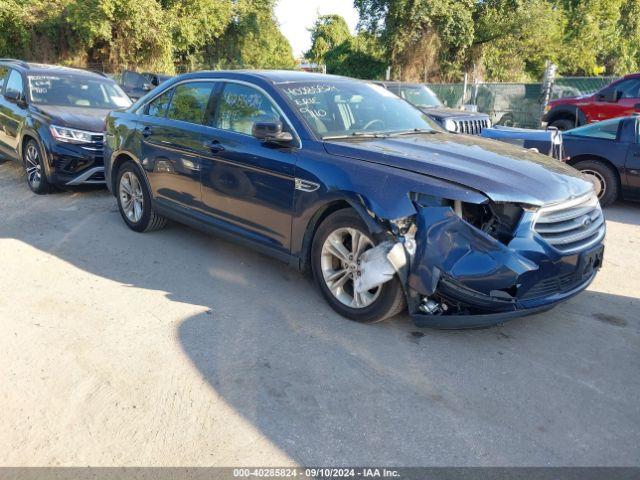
[(342, 177)]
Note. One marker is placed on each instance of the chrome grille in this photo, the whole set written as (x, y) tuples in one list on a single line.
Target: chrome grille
[(573, 225), (472, 127)]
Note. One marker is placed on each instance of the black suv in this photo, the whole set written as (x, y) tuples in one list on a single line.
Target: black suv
[(421, 96), (52, 119)]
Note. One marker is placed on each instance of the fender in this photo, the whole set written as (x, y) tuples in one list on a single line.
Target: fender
[(377, 204), (136, 160)]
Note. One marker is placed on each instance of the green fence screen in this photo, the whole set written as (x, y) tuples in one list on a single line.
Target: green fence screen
[(515, 104)]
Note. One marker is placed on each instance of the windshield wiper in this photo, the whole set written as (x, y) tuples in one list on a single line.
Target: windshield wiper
[(413, 132), (356, 135)]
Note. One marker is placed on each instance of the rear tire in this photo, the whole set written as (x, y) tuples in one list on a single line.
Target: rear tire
[(33, 162), (134, 200), (605, 175), (373, 306), (563, 124)]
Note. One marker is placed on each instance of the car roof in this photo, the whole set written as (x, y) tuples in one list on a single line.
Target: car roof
[(45, 69), (272, 76), (389, 82)]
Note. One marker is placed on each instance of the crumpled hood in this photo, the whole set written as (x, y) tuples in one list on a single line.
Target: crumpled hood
[(503, 172), (90, 119)]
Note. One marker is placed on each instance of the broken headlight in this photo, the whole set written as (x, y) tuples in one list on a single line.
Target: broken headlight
[(499, 220)]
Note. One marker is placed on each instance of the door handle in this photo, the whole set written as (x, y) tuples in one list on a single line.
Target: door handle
[(214, 145), (147, 132)]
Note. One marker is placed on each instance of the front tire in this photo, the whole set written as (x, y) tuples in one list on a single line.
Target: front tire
[(33, 161), (337, 245), (604, 177), (134, 200)]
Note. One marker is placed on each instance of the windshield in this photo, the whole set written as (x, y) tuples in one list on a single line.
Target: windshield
[(607, 129), (417, 95), (344, 108), (76, 91)]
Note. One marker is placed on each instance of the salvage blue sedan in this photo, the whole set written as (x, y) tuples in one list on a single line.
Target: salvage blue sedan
[(340, 176)]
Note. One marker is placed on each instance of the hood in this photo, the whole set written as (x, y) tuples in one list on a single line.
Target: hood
[(572, 99), (443, 112), (503, 172), (90, 119)]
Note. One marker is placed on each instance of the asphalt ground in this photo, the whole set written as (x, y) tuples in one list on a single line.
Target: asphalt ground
[(180, 348)]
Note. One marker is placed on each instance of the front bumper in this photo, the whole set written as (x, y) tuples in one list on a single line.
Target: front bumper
[(75, 164), (480, 281)]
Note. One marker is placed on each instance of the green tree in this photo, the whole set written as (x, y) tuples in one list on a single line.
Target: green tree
[(328, 32), (252, 39)]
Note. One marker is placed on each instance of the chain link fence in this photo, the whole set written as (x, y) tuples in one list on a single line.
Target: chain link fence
[(515, 104)]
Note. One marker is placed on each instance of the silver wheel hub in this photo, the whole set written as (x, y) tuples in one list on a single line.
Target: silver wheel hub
[(131, 196), (597, 180), (340, 264)]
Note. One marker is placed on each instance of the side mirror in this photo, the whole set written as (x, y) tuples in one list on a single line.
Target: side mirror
[(15, 97), (611, 95), (271, 132)]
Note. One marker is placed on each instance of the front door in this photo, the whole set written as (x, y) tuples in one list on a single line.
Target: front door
[(173, 144), (247, 185), (630, 96), (12, 114)]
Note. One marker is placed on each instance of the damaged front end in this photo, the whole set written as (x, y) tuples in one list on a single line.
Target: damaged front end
[(466, 265)]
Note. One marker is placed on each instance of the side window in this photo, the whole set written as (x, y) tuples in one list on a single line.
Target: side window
[(241, 106), (4, 72), (15, 83), (190, 101), (629, 88), (158, 107)]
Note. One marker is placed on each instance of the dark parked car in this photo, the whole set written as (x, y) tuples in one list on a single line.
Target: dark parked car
[(618, 99), (344, 177), (457, 121), (137, 85), (52, 120), (609, 153)]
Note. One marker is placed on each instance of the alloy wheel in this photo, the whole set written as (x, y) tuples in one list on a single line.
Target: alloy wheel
[(340, 264), (598, 181), (131, 197), (33, 167)]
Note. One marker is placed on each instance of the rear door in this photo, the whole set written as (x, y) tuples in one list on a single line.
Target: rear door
[(173, 143), (248, 185), (12, 113)]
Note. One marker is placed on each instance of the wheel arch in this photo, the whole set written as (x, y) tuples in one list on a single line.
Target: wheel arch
[(596, 158), (321, 213), (121, 157), (567, 112)]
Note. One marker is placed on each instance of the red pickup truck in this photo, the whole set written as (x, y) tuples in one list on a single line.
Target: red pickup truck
[(618, 99)]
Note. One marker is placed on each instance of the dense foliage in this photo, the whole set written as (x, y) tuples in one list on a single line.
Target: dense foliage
[(158, 35), (503, 39)]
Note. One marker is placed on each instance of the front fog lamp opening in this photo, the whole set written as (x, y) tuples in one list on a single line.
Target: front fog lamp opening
[(71, 135)]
